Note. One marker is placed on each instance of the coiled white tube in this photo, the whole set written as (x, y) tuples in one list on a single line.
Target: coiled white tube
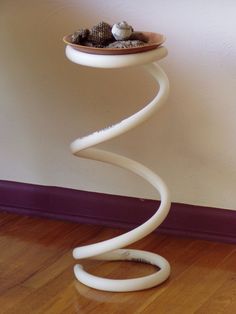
[(112, 249)]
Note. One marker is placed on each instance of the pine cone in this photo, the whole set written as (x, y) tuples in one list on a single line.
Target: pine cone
[(80, 36), (101, 34)]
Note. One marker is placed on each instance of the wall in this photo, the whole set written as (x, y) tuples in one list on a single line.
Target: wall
[(46, 101)]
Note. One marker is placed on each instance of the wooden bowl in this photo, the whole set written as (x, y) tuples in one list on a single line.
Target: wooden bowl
[(153, 40)]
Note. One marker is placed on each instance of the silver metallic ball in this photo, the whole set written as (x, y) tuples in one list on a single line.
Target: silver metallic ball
[(122, 30)]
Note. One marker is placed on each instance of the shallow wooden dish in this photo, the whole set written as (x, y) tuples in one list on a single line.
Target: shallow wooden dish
[(153, 40)]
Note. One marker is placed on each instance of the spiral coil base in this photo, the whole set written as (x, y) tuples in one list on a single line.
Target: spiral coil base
[(111, 249)]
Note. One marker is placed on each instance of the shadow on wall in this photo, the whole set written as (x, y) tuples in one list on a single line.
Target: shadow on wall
[(46, 101)]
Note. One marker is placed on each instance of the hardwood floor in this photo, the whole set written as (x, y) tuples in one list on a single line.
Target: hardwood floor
[(36, 272)]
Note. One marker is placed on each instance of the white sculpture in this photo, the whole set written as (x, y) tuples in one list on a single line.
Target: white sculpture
[(112, 249)]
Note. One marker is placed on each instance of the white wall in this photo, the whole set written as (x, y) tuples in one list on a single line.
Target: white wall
[(46, 101)]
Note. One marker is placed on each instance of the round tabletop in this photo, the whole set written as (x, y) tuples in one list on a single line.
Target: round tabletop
[(115, 61)]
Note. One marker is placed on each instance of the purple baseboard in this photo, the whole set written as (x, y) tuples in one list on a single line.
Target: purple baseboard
[(115, 211)]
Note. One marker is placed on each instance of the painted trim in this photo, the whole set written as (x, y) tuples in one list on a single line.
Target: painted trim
[(115, 211)]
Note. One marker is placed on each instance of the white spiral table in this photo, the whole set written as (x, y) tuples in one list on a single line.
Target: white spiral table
[(83, 147)]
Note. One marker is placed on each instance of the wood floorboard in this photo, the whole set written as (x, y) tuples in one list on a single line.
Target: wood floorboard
[(36, 272)]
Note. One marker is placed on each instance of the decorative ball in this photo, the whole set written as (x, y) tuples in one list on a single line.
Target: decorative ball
[(122, 30), (101, 34), (80, 36)]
